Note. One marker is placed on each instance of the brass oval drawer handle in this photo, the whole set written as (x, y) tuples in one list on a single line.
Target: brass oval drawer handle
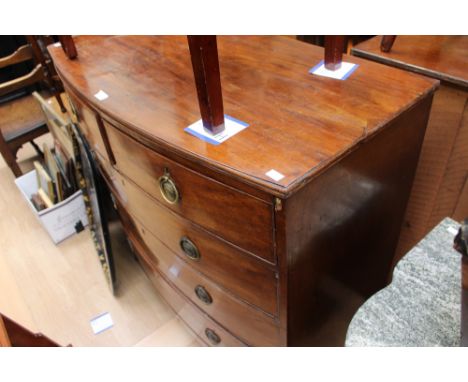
[(168, 189), (212, 336), (203, 294), (189, 248)]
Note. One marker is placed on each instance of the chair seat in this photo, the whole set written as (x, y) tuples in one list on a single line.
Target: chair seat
[(20, 117)]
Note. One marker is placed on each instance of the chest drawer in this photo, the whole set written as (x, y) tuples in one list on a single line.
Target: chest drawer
[(243, 320), (89, 123), (242, 274), (234, 215), (206, 329)]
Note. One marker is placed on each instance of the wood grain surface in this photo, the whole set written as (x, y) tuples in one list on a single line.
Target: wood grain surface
[(195, 319), (347, 149), (442, 169), (439, 189), (19, 336), (213, 205), (56, 290), (441, 57), (299, 123), (350, 232), (246, 322), (233, 269)]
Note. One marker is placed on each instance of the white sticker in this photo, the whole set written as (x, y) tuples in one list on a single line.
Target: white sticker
[(57, 44), (174, 271), (275, 175), (340, 74), (101, 323), (452, 230), (101, 95), (232, 127)]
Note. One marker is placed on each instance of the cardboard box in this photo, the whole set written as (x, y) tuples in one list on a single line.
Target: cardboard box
[(59, 220)]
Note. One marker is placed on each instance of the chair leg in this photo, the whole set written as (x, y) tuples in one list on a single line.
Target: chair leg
[(387, 43), (9, 156), (16, 169), (36, 147), (11, 162)]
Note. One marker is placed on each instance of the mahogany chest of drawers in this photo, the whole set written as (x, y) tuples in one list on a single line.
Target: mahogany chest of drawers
[(245, 259)]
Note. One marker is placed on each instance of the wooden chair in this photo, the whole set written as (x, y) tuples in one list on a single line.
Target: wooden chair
[(21, 118), (41, 55), (14, 335)]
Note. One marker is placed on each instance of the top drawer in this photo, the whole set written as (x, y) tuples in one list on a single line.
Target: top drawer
[(89, 122), (238, 217)]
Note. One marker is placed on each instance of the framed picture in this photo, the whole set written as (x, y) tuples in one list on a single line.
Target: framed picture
[(59, 124), (96, 197)]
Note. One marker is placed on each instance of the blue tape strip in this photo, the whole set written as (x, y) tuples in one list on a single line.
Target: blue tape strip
[(316, 67), (108, 327), (202, 137), (350, 72), (211, 140), (236, 120), (102, 314)]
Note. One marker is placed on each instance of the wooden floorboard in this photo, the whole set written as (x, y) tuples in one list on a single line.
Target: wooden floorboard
[(58, 289)]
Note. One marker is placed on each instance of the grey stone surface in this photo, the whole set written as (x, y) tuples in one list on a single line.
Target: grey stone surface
[(421, 307)]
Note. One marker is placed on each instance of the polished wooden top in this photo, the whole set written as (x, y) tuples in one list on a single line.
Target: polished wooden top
[(299, 123), (441, 57)]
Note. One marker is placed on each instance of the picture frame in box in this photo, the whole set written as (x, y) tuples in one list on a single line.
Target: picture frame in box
[(45, 182), (61, 219), (59, 126)]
